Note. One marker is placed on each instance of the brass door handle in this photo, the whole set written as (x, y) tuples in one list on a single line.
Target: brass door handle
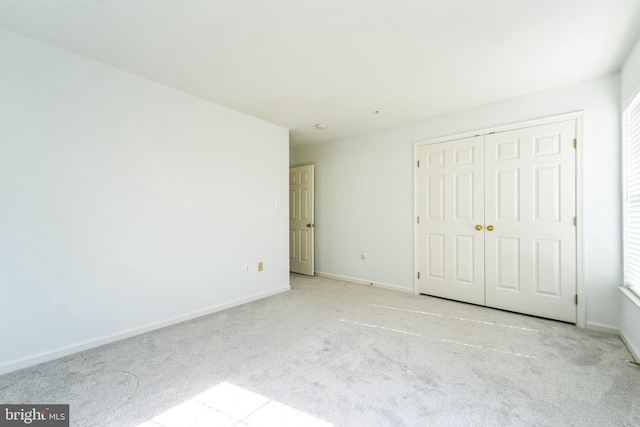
[(490, 227), (478, 227), (309, 225)]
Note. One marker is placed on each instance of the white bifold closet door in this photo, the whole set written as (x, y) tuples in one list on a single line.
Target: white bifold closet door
[(497, 220), (451, 205)]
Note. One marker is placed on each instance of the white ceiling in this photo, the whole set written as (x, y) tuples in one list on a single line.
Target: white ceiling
[(300, 62)]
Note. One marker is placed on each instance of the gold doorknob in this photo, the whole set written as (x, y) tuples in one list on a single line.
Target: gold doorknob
[(478, 227), (309, 225), (490, 227)]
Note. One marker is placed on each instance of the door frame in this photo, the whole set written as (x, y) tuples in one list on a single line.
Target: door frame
[(575, 115)]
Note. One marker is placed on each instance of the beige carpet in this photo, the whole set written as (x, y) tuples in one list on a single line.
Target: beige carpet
[(332, 353)]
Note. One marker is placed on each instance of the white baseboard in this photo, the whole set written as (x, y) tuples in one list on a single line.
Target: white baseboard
[(35, 359), (364, 282), (599, 327), (635, 351), (630, 318)]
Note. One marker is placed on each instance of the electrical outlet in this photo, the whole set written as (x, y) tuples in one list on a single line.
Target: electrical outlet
[(247, 268), (260, 266)]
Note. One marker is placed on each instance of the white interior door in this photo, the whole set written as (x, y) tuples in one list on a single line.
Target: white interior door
[(530, 202), (451, 206), (301, 220)]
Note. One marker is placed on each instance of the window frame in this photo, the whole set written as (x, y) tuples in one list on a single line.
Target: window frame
[(631, 169)]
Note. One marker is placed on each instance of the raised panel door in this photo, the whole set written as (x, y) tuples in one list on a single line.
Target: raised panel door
[(451, 249), (530, 201), (301, 220)]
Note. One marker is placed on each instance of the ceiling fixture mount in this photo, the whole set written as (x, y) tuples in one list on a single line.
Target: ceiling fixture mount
[(321, 126)]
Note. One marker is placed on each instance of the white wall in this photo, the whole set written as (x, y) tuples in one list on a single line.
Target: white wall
[(630, 76), (630, 87), (125, 204), (365, 189)]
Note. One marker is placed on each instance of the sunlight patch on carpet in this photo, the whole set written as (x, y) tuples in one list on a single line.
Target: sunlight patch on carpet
[(407, 310), (479, 347), (488, 348), (381, 327), (496, 324), (227, 405), (456, 318)]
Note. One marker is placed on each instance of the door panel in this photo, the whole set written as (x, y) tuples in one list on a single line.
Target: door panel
[(451, 205), (507, 263), (508, 194), (546, 193), (547, 267), (301, 220), (530, 198), (463, 196), (435, 191), (464, 257), (435, 254)]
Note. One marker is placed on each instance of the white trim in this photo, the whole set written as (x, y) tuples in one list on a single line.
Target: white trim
[(633, 297), (635, 352), (581, 309), (34, 359), (599, 327), (416, 213), (624, 104), (503, 128), (357, 281), (630, 169), (635, 300)]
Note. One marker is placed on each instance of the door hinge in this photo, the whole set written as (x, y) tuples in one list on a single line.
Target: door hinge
[(418, 275), (575, 143), (576, 299), (418, 163), (575, 221), (418, 219)]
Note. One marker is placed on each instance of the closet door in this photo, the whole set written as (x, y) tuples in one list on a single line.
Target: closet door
[(530, 205), (451, 193)]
